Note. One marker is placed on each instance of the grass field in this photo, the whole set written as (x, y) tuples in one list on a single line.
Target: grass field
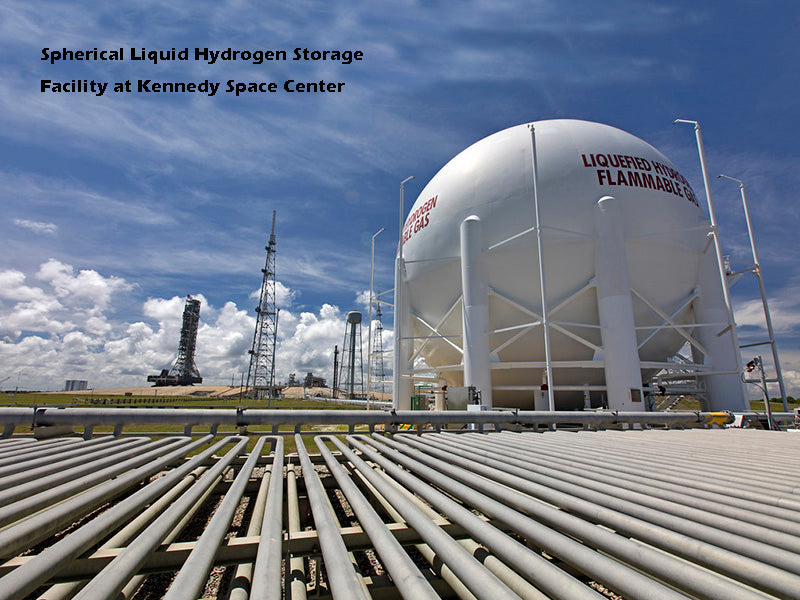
[(82, 399), (30, 399)]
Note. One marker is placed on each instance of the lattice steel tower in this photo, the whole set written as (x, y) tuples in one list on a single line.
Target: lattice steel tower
[(376, 354), (261, 374)]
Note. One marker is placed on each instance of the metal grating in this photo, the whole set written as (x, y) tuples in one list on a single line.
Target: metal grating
[(498, 515)]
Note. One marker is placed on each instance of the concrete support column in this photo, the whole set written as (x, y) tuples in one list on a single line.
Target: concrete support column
[(725, 390), (402, 385), (475, 309), (615, 305)]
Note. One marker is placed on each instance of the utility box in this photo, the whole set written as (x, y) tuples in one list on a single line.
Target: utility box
[(457, 398)]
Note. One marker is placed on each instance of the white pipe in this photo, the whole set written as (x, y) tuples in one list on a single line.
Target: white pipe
[(718, 249), (475, 309)]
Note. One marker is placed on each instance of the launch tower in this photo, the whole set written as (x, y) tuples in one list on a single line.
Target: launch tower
[(184, 371)]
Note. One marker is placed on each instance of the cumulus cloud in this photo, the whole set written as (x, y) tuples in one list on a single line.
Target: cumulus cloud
[(284, 296), (36, 226), (66, 321), (87, 287), (362, 300), (306, 345), (13, 287), (785, 313), (784, 310)]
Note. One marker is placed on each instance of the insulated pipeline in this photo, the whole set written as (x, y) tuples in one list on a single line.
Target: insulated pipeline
[(572, 468), (567, 514), (266, 572), (345, 582), (191, 579), (243, 577), (411, 583), (549, 578), (114, 577), (511, 506), (55, 559)]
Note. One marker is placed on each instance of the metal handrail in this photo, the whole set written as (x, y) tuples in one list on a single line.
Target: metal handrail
[(244, 417)]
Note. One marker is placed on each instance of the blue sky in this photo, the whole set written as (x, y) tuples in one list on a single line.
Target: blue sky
[(116, 207)]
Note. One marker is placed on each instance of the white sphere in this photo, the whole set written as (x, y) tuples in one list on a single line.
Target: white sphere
[(578, 162)]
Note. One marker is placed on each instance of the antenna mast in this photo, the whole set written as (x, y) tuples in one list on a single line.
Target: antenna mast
[(377, 353), (260, 375)]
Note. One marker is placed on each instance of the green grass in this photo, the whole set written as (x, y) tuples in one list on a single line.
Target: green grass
[(775, 405), (30, 399), (88, 400)]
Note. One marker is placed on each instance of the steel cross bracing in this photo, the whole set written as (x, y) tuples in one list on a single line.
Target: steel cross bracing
[(639, 514), (376, 356), (261, 373)]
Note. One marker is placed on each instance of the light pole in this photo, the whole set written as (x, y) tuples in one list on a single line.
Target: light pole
[(757, 271), (16, 389), (369, 330), (402, 185), (398, 309), (717, 245)]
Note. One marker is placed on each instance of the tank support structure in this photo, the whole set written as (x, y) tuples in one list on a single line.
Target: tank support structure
[(475, 310), (615, 306)]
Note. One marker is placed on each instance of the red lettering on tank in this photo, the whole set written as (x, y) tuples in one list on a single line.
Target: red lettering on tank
[(634, 171), (419, 218)]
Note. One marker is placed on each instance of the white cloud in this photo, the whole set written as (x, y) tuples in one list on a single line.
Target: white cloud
[(784, 310), (307, 342), (87, 287), (67, 323), (284, 297), (362, 300), (13, 287), (52, 194), (46, 315), (36, 226)]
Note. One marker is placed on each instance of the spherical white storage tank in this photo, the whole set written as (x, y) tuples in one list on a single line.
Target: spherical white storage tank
[(639, 261)]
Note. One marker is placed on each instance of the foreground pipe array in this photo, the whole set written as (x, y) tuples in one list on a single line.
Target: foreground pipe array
[(501, 515)]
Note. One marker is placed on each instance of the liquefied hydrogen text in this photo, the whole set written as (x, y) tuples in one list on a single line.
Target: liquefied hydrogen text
[(207, 55), (635, 171)]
